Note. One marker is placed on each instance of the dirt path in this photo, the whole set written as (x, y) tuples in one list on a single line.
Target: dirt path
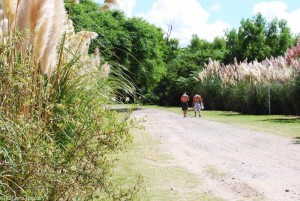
[(233, 163)]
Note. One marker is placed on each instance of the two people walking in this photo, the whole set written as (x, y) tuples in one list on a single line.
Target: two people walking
[(197, 104)]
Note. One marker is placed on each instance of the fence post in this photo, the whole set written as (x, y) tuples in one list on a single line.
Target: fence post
[(269, 93)]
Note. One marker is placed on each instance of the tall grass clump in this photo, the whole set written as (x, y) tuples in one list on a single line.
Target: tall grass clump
[(252, 87), (57, 133)]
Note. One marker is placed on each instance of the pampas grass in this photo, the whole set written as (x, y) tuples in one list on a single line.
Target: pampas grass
[(249, 87), (105, 69), (9, 10), (4, 28), (267, 71), (293, 54), (79, 43), (108, 4), (56, 134), (49, 58), (41, 15), (43, 21)]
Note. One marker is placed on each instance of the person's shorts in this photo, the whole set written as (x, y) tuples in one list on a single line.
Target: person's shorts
[(197, 106), (184, 106)]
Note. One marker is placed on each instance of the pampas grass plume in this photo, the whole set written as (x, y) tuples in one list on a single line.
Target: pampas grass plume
[(22, 24), (9, 9), (108, 4), (44, 20), (40, 22), (1, 14), (81, 41), (3, 27), (105, 69), (48, 61)]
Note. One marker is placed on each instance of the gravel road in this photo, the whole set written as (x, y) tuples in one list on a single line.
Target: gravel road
[(232, 163)]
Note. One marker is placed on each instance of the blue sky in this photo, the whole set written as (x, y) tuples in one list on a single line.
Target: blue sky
[(208, 18)]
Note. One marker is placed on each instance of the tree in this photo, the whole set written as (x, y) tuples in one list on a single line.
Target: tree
[(147, 61), (252, 39), (136, 45), (256, 40), (232, 47)]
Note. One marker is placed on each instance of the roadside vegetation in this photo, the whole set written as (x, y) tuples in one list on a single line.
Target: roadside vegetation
[(57, 130)]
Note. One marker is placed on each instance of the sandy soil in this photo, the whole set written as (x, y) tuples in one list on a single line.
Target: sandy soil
[(232, 163)]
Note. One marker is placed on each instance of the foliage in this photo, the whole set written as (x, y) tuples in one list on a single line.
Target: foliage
[(202, 50), (146, 65), (57, 131), (244, 87), (183, 66), (256, 40), (132, 43)]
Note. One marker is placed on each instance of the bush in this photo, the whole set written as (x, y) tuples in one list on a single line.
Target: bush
[(245, 87), (64, 152), (57, 133)]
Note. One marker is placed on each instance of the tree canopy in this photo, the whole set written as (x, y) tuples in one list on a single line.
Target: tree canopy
[(256, 39)]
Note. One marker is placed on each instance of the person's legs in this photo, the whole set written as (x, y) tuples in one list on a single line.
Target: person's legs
[(184, 113), (197, 108), (184, 109)]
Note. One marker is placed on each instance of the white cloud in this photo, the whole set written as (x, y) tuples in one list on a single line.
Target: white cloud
[(126, 6), (215, 7), (186, 17), (271, 10)]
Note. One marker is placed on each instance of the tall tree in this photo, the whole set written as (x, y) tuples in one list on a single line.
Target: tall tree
[(256, 39), (147, 61), (136, 45)]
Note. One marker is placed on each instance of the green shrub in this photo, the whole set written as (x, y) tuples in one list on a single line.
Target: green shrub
[(57, 133)]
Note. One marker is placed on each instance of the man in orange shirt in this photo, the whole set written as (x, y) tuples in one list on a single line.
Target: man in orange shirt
[(184, 100), (197, 102)]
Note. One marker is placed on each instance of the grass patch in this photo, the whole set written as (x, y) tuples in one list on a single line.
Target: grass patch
[(214, 172), (162, 180), (287, 126)]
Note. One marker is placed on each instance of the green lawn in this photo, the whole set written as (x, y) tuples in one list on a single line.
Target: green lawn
[(287, 126)]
